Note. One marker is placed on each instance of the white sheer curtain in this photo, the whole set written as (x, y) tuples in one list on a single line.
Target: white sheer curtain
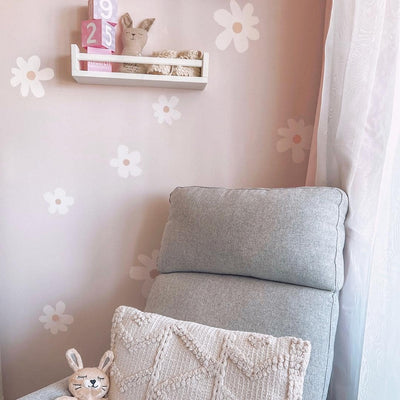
[(357, 150)]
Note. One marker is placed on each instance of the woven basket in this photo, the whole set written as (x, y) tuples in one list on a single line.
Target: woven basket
[(156, 69), (179, 70)]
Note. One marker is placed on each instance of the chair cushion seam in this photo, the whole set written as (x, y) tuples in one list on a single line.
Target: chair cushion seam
[(329, 344)]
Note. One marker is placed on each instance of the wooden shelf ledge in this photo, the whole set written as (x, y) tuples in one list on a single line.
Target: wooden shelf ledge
[(130, 79)]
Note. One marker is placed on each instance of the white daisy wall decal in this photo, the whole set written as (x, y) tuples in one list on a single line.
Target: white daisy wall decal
[(127, 162), (165, 111), (146, 272), (28, 75), (54, 318), (297, 138), (239, 26), (58, 201)]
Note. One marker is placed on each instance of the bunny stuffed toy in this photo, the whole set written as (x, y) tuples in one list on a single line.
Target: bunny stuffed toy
[(88, 383), (133, 40)]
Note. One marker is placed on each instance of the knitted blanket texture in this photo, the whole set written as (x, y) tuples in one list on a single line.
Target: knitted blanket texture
[(165, 359)]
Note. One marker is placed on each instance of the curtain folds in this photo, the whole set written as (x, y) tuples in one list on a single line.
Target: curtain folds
[(357, 149)]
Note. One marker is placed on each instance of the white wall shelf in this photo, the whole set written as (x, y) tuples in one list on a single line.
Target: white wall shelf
[(131, 79)]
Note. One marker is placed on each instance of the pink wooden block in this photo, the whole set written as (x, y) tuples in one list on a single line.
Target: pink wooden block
[(99, 66), (98, 33), (104, 9)]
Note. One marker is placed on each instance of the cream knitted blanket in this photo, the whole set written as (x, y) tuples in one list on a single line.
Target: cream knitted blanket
[(161, 358)]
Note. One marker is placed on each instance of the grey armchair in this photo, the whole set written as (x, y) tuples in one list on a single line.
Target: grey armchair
[(263, 260)]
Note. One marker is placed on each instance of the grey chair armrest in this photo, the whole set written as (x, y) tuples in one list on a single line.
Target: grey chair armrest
[(50, 392)]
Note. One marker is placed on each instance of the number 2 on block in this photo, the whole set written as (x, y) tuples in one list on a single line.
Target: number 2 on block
[(90, 39)]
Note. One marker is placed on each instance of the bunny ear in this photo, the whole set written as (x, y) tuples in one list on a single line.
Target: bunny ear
[(126, 21), (74, 359), (106, 360), (147, 23)]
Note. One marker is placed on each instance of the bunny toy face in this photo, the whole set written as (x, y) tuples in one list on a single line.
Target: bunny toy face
[(89, 383), (134, 39)]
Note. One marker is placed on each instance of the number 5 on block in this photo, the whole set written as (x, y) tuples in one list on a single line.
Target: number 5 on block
[(104, 9), (98, 33)]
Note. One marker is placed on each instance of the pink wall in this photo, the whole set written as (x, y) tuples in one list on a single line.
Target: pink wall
[(236, 134)]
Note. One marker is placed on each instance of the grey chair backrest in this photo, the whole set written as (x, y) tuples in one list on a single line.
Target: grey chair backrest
[(262, 260)]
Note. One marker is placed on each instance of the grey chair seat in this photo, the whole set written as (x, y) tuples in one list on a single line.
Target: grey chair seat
[(254, 305)]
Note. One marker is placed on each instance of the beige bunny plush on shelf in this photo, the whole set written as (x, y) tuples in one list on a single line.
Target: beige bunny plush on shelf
[(133, 40), (88, 383)]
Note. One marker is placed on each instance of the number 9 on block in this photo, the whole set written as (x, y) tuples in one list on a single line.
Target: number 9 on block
[(104, 9), (98, 33)]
